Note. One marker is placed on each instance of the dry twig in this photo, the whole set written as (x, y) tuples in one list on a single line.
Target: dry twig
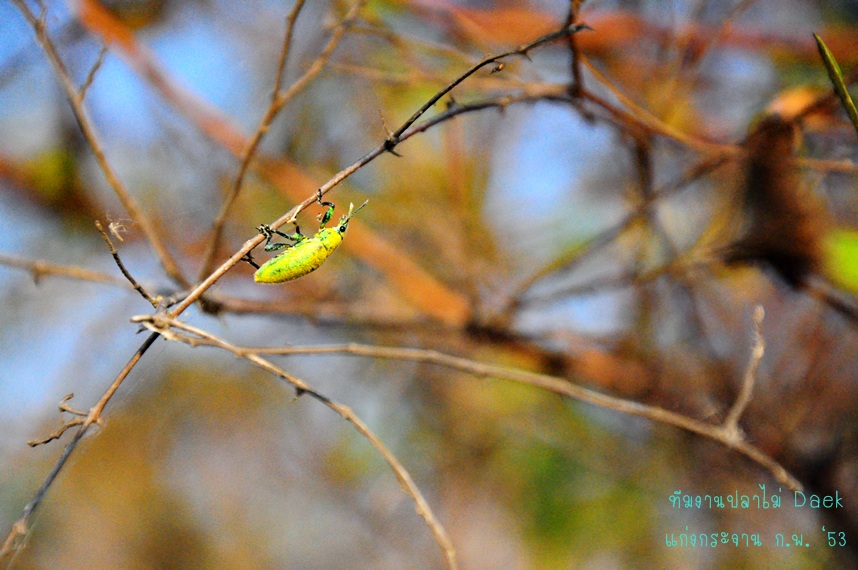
[(164, 325)]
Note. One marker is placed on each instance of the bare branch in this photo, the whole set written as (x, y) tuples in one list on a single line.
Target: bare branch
[(164, 325), (21, 527), (731, 423), (66, 425), (560, 386), (39, 268), (90, 77), (128, 276), (75, 98), (724, 434), (523, 50)]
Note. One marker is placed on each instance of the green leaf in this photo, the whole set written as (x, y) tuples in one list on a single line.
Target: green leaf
[(837, 80), (841, 259)]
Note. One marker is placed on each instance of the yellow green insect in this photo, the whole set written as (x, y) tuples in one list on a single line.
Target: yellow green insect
[(306, 254)]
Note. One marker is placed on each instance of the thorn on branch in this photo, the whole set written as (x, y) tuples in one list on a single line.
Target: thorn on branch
[(524, 50), (390, 144), (39, 270), (391, 139)]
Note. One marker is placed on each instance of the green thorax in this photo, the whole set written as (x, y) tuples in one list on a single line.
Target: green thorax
[(330, 238)]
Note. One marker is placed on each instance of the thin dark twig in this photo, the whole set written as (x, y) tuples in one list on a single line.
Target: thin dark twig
[(523, 50), (139, 288), (389, 144), (90, 77), (576, 85)]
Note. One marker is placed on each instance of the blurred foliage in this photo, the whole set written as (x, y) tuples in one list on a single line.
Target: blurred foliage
[(842, 259)]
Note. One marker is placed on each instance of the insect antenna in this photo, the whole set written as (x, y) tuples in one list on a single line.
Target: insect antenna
[(353, 211)]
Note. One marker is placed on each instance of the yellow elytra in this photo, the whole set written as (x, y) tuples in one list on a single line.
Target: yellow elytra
[(306, 254)]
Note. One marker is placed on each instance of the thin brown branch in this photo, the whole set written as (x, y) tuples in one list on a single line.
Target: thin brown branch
[(286, 48), (721, 434), (828, 165), (39, 268), (567, 263), (637, 115), (75, 98), (523, 50), (20, 528), (153, 301), (724, 434), (731, 423), (576, 84), (164, 326), (56, 434), (90, 77), (708, 41)]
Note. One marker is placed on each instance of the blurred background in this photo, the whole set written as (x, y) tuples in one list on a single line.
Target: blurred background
[(575, 224)]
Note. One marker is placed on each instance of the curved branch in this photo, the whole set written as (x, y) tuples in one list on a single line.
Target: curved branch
[(725, 434), (164, 326)]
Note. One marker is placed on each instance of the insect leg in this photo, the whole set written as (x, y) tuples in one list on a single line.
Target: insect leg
[(249, 259), (326, 217), (269, 235)]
